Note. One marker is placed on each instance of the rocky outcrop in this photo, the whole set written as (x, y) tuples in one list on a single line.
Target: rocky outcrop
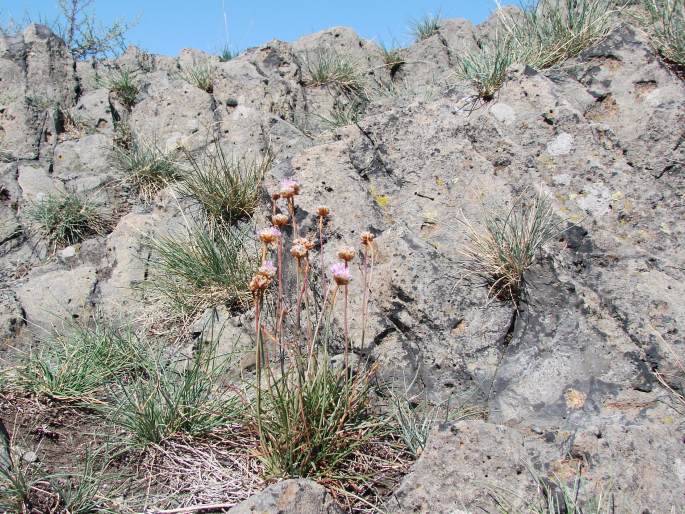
[(566, 378)]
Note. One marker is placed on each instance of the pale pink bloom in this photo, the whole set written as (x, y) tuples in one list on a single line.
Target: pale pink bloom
[(341, 274), (289, 188), (268, 269), (269, 235)]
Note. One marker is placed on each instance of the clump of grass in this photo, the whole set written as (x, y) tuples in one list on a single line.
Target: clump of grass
[(226, 187), (199, 75), (123, 84), (548, 32), (146, 167), (66, 218), (510, 244), (555, 496), (425, 27), (345, 113), (541, 35), (392, 58), (227, 54), (486, 68), (210, 265), (665, 23), (172, 402), (314, 419), (329, 68), (78, 365)]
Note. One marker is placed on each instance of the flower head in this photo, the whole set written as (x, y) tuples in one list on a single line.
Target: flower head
[(259, 283), (298, 251), (346, 253), (323, 211), (269, 235), (279, 220), (275, 196), (307, 243), (289, 188), (341, 274), (267, 269), (367, 238)]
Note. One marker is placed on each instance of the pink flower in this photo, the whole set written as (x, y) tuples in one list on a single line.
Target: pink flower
[(289, 188), (267, 269), (269, 235), (341, 274)]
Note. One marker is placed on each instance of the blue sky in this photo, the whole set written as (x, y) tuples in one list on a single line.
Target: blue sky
[(166, 26)]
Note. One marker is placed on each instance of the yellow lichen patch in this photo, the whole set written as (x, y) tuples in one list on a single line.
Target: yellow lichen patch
[(575, 399), (382, 200), (439, 182)]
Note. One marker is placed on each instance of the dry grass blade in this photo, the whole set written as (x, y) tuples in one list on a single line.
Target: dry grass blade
[(189, 474)]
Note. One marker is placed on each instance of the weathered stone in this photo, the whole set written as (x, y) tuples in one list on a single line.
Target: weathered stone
[(51, 296), (289, 497), (173, 113)]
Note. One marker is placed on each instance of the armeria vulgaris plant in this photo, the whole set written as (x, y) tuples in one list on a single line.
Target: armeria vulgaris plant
[(313, 417)]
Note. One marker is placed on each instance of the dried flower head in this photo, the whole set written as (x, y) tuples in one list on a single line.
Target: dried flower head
[(269, 235), (307, 243), (298, 251), (289, 188), (341, 274), (346, 253), (367, 238), (267, 269), (259, 283), (275, 196), (279, 220), (323, 211)]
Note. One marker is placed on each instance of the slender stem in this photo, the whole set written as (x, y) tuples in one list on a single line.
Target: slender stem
[(258, 359), (280, 307), (324, 284), (318, 325), (347, 332)]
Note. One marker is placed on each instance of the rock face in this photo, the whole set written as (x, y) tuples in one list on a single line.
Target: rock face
[(289, 497), (580, 375)]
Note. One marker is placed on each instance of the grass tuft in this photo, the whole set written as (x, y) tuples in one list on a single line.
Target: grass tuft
[(345, 113), (25, 488), (145, 166), (665, 23), (329, 68), (541, 35), (312, 425), (66, 218), (227, 54), (510, 245), (123, 84), (174, 400), (200, 76), (77, 366), (486, 68), (226, 187), (211, 265), (555, 496), (425, 27), (392, 58)]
